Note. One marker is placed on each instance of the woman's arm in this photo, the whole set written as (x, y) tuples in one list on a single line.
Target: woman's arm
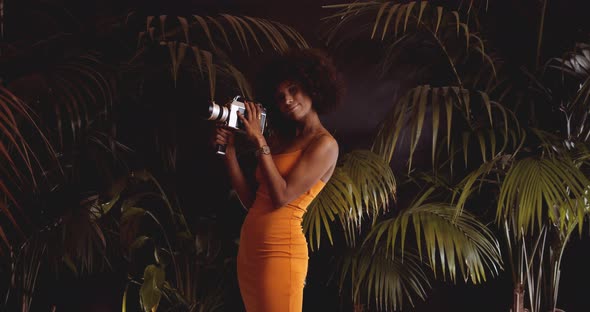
[(315, 162), (237, 177), (317, 159)]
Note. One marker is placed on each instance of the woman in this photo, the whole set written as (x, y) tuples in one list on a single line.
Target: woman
[(294, 164)]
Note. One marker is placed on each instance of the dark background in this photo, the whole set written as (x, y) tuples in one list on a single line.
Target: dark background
[(511, 23)]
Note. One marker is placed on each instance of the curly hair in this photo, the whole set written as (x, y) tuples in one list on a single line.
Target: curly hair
[(312, 69)]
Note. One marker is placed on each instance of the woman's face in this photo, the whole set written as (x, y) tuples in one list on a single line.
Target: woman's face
[(292, 101)]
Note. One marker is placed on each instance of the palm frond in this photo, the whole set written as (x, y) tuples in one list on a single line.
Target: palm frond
[(340, 197), (441, 27), (26, 264), (83, 238), (575, 63), (210, 55), (244, 85), (20, 163), (74, 241), (16, 115), (573, 92), (387, 282), (467, 185), (538, 256), (193, 294), (83, 94), (410, 113), (473, 5), (533, 188), (374, 179), (459, 241), (348, 12)]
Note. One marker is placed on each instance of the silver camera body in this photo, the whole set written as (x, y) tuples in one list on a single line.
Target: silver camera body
[(228, 113)]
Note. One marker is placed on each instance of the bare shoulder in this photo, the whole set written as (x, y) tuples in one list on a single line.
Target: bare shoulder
[(326, 139), (325, 144), (324, 152)]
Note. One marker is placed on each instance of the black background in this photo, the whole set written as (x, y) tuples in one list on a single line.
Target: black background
[(367, 100)]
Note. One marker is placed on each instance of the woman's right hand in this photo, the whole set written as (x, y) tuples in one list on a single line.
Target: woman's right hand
[(224, 136)]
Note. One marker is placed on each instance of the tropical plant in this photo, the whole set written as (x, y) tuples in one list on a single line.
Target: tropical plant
[(498, 119), (78, 119), (76, 126)]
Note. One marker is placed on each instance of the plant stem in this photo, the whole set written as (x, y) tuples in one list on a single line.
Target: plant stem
[(518, 298), (540, 35)]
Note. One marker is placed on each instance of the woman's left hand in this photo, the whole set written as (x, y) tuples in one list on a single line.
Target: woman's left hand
[(252, 121)]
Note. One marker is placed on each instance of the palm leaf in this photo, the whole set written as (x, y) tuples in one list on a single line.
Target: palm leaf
[(20, 162), (340, 197), (460, 241), (575, 63), (25, 270), (532, 186), (79, 93), (374, 179), (387, 282), (208, 56), (15, 115), (441, 26), (467, 185), (243, 83), (478, 4), (574, 69), (410, 110)]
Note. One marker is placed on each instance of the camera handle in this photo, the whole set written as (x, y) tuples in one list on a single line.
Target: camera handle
[(220, 149)]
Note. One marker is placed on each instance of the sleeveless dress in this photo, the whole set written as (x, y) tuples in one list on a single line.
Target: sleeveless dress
[(272, 255)]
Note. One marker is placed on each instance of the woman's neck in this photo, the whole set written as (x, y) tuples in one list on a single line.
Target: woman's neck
[(309, 126)]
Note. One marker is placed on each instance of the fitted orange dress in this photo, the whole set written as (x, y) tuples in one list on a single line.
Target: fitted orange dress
[(272, 256)]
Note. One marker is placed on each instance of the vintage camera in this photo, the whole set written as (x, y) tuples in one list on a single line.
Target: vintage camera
[(228, 114)]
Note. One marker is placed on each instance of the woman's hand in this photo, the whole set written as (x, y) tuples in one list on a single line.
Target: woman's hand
[(252, 121), (224, 136)]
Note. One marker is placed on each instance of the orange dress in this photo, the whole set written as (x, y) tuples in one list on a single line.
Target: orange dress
[(272, 256)]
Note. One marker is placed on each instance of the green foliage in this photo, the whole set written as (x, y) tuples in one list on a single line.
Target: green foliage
[(79, 190), (74, 180), (385, 281), (151, 289), (467, 105), (361, 186)]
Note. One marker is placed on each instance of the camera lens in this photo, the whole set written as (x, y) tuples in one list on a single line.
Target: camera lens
[(218, 112)]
